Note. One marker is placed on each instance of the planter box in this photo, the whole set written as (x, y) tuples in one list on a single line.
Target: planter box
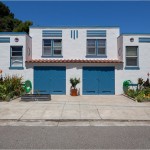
[(74, 92), (36, 97)]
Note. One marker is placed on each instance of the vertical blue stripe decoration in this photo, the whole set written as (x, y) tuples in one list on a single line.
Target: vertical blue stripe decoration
[(71, 34), (76, 33)]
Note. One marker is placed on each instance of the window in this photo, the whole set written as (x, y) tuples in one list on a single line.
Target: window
[(101, 47), (16, 56), (96, 47), (57, 47), (132, 56), (52, 47), (91, 47)]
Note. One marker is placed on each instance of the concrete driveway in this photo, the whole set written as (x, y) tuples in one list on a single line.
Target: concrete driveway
[(76, 108)]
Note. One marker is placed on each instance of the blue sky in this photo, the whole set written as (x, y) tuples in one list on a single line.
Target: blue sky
[(130, 16)]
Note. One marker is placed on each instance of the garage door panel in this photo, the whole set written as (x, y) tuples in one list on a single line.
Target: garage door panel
[(40, 80), (98, 80), (58, 88), (90, 87), (52, 80), (90, 81), (106, 80)]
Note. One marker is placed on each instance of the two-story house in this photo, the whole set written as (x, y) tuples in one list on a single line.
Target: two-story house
[(99, 56)]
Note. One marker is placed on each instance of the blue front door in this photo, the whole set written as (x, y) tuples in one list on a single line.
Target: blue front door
[(98, 80), (50, 80)]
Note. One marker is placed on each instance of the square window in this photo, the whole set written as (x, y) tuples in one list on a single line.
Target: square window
[(96, 47), (52, 47)]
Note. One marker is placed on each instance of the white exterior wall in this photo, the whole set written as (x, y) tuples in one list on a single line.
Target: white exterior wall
[(27, 74), (75, 48), (144, 62)]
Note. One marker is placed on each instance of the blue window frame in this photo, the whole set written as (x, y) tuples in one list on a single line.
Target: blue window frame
[(52, 47), (96, 47), (132, 58), (16, 57)]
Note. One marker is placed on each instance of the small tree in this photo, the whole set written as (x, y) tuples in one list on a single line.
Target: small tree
[(74, 82)]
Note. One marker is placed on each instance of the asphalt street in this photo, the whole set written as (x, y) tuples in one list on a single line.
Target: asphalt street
[(46, 137)]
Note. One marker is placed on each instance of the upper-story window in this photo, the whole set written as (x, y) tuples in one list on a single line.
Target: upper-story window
[(96, 47), (16, 57), (52, 47), (132, 56)]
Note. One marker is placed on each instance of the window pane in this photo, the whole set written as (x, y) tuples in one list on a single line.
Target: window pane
[(91, 51), (16, 53), (18, 49), (16, 62), (101, 42), (57, 43), (57, 50), (131, 51), (101, 51), (91, 43), (47, 42), (47, 50), (131, 61)]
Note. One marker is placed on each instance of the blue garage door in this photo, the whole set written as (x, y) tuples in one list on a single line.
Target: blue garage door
[(50, 80), (98, 80)]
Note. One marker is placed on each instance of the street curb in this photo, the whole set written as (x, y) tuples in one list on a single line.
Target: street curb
[(72, 120)]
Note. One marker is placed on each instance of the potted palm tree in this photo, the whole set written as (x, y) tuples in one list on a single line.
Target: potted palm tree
[(74, 82)]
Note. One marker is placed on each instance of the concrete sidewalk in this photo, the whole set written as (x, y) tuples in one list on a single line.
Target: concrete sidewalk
[(76, 108)]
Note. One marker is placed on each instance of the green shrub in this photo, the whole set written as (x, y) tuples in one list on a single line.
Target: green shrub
[(132, 93), (140, 96), (146, 91), (10, 86)]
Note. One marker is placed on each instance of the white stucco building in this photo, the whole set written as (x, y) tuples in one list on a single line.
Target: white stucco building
[(99, 56)]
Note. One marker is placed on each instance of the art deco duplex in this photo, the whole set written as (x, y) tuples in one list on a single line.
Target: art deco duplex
[(99, 56)]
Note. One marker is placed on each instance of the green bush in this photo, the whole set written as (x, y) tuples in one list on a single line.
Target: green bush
[(10, 86), (132, 93), (142, 93), (146, 91), (140, 96)]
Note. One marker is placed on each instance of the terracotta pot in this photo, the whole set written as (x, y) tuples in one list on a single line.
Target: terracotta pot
[(74, 92)]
